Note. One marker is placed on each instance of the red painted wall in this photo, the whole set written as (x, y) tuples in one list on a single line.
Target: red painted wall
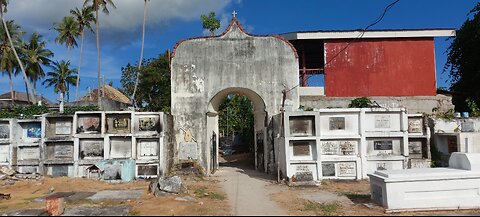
[(380, 67)]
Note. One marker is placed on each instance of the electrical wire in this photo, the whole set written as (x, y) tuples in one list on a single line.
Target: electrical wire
[(380, 18)]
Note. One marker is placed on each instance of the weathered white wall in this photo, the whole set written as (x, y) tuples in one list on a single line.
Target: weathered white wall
[(204, 67)]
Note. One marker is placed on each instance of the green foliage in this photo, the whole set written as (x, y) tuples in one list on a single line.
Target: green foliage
[(236, 118), (462, 61), (323, 209), (449, 115), (362, 102), (210, 23), (203, 192), (153, 92), (473, 108), (24, 112), (72, 110)]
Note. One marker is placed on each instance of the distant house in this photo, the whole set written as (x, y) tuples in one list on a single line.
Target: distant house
[(21, 98), (112, 99)]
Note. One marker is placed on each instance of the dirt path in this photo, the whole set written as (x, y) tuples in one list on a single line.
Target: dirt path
[(248, 192)]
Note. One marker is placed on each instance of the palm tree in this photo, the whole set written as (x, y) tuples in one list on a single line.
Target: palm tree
[(84, 19), (8, 63), (96, 4), (60, 77), (35, 56), (3, 9), (68, 31), (141, 51)]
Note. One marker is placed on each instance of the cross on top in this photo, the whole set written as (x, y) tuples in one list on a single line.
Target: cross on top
[(234, 14)]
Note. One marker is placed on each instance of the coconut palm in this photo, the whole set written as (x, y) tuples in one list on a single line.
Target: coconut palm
[(61, 77), (35, 55), (8, 63), (84, 18), (68, 31), (3, 9), (141, 51), (97, 4)]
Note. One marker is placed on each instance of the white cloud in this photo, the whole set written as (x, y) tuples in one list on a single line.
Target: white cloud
[(39, 15)]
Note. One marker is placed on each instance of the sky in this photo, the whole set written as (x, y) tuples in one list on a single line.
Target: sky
[(169, 21)]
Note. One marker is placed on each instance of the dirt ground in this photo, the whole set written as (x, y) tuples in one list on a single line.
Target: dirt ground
[(357, 191), (24, 192)]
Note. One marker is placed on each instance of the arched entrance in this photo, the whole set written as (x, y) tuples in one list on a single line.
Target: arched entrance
[(259, 128)]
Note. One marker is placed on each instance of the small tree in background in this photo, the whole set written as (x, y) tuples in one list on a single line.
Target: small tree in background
[(210, 23)]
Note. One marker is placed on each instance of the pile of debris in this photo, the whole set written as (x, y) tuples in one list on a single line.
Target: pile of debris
[(11, 176), (165, 186)]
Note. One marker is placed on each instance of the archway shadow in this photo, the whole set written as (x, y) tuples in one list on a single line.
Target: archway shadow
[(246, 165)]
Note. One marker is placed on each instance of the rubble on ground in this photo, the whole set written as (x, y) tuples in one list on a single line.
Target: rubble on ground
[(10, 176), (165, 186)]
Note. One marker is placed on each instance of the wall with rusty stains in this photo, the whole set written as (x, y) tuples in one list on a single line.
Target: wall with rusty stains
[(204, 67), (380, 67)]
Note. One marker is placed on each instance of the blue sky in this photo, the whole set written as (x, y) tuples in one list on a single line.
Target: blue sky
[(172, 20)]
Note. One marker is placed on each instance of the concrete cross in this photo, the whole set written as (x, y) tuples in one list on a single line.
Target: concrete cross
[(234, 14)]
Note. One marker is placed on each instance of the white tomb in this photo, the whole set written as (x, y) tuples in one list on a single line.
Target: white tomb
[(455, 187)]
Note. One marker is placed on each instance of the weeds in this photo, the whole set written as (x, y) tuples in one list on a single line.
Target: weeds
[(324, 209)]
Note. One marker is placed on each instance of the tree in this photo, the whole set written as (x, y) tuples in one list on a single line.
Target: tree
[(96, 4), (236, 118), (35, 55), (3, 9), (61, 77), (68, 30), (210, 23), (141, 51), (84, 18), (462, 61), (8, 62), (154, 83)]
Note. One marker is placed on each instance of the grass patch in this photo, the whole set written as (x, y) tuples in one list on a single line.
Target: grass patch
[(134, 213), (203, 192), (324, 209)]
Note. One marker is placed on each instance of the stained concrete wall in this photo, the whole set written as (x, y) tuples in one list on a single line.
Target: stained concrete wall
[(414, 104), (203, 67)]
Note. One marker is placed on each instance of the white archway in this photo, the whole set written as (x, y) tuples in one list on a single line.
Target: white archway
[(260, 123)]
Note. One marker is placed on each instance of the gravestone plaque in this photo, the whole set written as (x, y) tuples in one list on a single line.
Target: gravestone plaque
[(304, 176), (337, 123), (328, 169), (383, 145), (91, 149), (188, 151), (60, 171), (148, 147), (148, 124), (147, 170), (347, 169), (415, 125), (468, 126), (29, 153), (301, 149), (4, 153), (382, 121), (120, 147), (330, 148), (415, 147), (4, 131), (348, 147), (302, 126), (384, 166), (63, 151), (63, 128), (34, 130), (88, 124)]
